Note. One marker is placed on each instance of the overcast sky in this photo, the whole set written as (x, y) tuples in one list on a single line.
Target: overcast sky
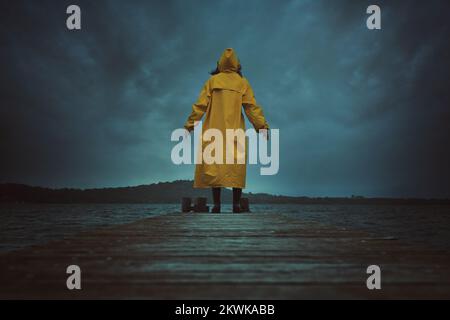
[(360, 112)]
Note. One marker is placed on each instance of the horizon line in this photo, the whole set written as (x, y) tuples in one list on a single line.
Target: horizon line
[(353, 196)]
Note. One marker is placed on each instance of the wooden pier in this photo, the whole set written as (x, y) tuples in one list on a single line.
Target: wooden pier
[(225, 256)]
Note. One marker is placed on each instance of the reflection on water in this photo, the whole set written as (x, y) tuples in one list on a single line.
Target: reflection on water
[(27, 224)]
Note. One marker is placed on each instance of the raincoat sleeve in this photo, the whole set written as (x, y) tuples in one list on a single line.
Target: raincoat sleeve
[(199, 108), (253, 111)]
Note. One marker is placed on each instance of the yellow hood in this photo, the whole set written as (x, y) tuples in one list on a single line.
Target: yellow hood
[(228, 61)]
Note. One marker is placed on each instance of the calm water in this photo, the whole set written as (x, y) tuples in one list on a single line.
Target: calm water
[(23, 225)]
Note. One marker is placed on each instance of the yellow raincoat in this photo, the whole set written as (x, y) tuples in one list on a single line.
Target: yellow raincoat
[(222, 98)]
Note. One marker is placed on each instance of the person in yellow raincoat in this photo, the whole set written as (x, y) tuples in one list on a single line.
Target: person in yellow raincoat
[(222, 99)]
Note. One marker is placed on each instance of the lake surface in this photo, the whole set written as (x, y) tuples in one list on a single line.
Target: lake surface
[(29, 224)]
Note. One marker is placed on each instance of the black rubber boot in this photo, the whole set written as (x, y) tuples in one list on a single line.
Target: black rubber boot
[(237, 192)]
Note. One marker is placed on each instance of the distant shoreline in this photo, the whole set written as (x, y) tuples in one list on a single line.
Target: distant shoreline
[(172, 192)]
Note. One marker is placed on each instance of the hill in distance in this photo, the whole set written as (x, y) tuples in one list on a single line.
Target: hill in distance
[(172, 192)]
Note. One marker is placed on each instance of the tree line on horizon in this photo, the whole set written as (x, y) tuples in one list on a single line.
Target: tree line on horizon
[(172, 192)]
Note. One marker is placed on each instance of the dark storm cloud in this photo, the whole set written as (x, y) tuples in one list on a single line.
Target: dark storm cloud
[(360, 112)]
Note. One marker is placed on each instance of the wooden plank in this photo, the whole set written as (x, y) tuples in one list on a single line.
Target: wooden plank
[(225, 256)]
